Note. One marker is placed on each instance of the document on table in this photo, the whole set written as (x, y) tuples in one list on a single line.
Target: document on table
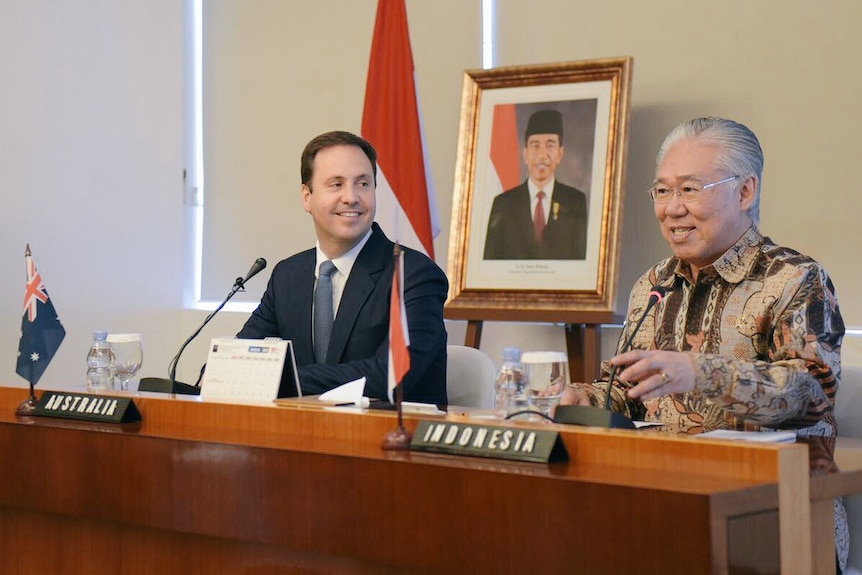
[(756, 436), (350, 394), (642, 424)]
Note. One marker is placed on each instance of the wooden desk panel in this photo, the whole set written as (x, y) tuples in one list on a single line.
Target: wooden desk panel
[(206, 488)]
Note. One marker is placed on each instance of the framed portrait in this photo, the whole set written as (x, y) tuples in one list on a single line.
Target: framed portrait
[(538, 183)]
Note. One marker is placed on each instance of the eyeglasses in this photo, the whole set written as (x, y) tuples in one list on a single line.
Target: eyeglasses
[(661, 194)]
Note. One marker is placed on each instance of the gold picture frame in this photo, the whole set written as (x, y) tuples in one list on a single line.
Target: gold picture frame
[(497, 109)]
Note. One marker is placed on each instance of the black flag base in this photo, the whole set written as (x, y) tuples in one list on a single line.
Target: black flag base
[(27, 407)]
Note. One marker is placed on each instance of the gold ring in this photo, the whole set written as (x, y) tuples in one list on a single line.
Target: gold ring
[(664, 378)]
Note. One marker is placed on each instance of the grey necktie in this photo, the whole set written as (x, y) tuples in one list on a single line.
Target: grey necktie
[(323, 316)]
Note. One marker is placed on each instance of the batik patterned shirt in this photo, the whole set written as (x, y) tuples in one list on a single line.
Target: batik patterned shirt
[(763, 329), (762, 326)]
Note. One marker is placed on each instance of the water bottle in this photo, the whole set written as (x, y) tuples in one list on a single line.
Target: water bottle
[(100, 363), (509, 384)]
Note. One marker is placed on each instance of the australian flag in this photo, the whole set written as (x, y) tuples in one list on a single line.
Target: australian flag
[(41, 330)]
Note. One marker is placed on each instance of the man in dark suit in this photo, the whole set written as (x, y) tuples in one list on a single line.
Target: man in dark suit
[(541, 219), (339, 173)]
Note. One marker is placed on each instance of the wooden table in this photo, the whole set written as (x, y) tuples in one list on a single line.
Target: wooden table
[(202, 487)]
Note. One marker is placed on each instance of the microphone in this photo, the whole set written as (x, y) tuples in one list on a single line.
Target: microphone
[(604, 416), (255, 269), (655, 296), (171, 385)]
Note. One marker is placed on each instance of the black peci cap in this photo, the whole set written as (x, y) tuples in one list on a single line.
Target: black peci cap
[(545, 122)]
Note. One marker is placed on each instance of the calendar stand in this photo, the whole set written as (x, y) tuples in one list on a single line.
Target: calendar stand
[(244, 369)]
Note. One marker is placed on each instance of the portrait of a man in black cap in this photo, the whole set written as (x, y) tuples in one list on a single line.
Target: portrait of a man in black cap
[(542, 218)]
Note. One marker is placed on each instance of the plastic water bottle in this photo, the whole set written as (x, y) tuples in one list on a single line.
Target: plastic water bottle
[(100, 363), (509, 384)]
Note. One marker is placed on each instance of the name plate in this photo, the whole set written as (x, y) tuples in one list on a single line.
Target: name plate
[(520, 444), (88, 407)]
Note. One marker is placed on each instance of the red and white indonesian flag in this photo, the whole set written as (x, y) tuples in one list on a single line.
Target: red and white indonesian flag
[(406, 206), (505, 150), (399, 337)]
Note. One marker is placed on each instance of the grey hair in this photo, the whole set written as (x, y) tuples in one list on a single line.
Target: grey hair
[(740, 154)]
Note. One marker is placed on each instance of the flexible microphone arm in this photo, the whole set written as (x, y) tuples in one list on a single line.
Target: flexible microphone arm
[(604, 416), (171, 385), (239, 284), (655, 296)]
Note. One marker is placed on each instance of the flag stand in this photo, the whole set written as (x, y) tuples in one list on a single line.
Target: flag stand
[(398, 439), (28, 406), (41, 333)]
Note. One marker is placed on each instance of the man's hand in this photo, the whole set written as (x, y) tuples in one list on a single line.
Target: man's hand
[(656, 373), (575, 394)]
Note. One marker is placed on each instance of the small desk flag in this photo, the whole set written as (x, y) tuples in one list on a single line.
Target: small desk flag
[(41, 330), (399, 337)]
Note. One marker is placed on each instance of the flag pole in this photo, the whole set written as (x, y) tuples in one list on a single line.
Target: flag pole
[(28, 406), (399, 438)]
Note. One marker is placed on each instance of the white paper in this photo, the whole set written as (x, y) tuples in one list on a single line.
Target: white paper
[(350, 394), (416, 407), (642, 424), (347, 393), (757, 436)]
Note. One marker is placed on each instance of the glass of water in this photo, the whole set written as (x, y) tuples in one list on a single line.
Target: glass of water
[(128, 351), (547, 373)]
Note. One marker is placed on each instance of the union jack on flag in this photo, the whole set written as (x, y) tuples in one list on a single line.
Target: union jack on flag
[(41, 330)]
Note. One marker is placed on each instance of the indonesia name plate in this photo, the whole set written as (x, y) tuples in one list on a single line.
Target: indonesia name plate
[(517, 443)]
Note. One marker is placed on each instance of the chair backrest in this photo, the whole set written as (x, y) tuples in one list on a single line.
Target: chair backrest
[(470, 375), (848, 414), (848, 402)]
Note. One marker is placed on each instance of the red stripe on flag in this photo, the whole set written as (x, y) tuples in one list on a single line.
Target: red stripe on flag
[(399, 338), (390, 120), (505, 146)]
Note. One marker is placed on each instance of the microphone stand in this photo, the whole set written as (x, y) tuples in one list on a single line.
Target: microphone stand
[(594, 416), (171, 385)]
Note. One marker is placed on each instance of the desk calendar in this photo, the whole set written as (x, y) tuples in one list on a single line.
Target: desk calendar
[(244, 369)]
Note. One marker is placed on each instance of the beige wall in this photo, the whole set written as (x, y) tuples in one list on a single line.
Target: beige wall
[(279, 73), (93, 108), (787, 69), (766, 64), (91, 163)]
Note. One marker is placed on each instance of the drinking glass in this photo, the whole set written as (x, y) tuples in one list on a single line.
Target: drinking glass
[(547, 373), (128, 351)]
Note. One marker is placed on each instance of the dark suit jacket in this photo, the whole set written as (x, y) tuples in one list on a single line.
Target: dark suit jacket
[(510, 227), (359, 345)]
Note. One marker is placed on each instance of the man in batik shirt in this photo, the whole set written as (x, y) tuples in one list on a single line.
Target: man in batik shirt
[(749, 333)]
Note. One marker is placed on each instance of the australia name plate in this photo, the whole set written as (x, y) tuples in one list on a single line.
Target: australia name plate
[(88, 407)]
